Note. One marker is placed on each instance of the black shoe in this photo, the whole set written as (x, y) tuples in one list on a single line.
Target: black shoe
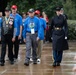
[(2, 64), (15, 58), (11, 62), (58, 64), (26, 63), (54, 64), (35, 62)]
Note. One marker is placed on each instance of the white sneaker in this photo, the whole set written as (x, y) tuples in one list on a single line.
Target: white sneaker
[(7, 59), (38, 60), (31, 59)]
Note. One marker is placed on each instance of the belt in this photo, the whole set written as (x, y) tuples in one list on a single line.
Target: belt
[(30, 32), (57, 28)]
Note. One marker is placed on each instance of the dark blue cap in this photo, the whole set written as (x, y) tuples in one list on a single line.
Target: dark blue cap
[(31, 10)]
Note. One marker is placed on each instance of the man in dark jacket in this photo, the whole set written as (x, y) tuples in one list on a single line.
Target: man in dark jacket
[(7, 35)]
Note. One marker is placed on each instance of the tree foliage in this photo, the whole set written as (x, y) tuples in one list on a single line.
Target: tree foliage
[(69, 8), (46, 5)]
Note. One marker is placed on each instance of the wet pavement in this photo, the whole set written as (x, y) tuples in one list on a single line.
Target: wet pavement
[(45, 67)]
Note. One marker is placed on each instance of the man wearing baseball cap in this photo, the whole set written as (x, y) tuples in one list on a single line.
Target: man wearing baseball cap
[(7, 36), (42, 29), (31, 36), (0, 21), (62, 13), (18, 21)]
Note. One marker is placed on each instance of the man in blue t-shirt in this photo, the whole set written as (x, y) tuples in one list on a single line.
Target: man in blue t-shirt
[(0, 23), (31, 36), (23, 20), (41, 36), (18, 23), (0, 26)]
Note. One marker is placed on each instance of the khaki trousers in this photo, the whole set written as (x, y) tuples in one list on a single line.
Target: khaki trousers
[(40, 47)]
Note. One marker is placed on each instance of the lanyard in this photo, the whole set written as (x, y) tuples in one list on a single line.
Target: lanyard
[(7, 20)]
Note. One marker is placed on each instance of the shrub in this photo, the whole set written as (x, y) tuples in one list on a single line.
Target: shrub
[(72, 29)]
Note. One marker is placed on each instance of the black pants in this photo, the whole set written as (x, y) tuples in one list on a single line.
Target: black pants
[(7, 39), (16, 47), (47, 35)]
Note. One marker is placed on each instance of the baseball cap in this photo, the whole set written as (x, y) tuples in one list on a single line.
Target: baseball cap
[(7, 9), (37, 12), (62, 9), (14, 7), (31, 10)]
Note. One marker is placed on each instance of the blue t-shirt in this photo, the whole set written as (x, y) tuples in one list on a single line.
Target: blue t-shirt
[(31, 23), (0, 21), (18, 23), (23, 21), (0, 25), (42, 28)]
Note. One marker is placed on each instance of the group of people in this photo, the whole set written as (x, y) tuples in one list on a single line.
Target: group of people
[(12, 27), (32, 27)]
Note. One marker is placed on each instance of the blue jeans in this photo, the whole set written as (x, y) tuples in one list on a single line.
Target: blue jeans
[(57, 55)]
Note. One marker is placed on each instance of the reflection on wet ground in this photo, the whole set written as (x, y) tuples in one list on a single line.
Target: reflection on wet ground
[(45, 67)]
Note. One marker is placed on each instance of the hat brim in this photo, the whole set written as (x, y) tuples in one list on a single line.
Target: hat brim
[(14, 8), (57, 9), (30, 11), (37, 14), (7, 10)]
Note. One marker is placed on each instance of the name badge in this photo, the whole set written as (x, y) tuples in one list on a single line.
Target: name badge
[(32, 31)]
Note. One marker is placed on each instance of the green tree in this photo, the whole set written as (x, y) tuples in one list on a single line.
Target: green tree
[(69, 8), (48, 6), (23, 5)]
